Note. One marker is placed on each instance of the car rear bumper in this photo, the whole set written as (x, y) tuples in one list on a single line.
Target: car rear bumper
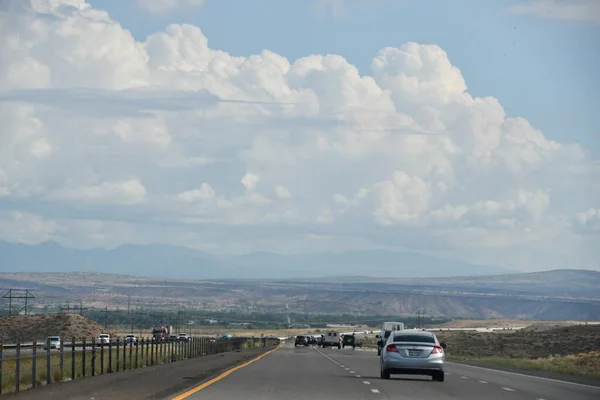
[(414, 365)]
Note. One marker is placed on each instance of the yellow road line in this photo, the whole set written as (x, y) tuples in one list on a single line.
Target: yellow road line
[(223, 375)]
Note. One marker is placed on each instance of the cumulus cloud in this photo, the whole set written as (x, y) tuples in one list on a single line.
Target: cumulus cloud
[(567, 10), (105, 135)]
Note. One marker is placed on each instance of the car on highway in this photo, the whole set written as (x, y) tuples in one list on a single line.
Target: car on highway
[(183, 337), (103, 338), (348, 340), (414, 353), (332, 339), (52, 342), (301, 340), (130, 338)]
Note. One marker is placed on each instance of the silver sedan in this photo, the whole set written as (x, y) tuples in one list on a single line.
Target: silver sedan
[(413, 352)]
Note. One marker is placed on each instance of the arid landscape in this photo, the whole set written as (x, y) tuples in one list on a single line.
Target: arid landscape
[(27, 328), (552, 295)]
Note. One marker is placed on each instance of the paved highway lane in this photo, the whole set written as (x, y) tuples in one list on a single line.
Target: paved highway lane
[(315, 373), (461, 382)]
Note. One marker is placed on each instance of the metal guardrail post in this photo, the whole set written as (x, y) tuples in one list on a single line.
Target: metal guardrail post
[(1, 366), (118, 346), (34, 365), (131, 354), (48, 363), (152, 354), (124, 354), (62, 359), (93, 358), (136, 354), (101, 357), (83, 351), (73, 371), (142, 359), (18, 367), (173, 351), (110, 357)]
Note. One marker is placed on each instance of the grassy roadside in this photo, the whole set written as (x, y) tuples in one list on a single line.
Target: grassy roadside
[(584, 364), (102, 362)]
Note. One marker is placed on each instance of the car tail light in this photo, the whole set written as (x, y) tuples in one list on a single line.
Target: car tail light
[(391, 348), (437, 350)]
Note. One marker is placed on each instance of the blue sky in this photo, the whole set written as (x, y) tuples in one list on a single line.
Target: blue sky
[(541, 69), (107, 139)]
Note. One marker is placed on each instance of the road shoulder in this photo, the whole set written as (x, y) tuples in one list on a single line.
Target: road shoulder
[(156, 382), (583, 380)]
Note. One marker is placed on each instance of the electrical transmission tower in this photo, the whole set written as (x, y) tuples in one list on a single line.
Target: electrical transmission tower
[(18, 294), (74, 309)]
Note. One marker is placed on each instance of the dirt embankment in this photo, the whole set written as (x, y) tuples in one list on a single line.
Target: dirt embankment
[(525, 344), (26, 328)]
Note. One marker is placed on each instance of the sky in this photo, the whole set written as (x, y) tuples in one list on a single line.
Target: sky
[(464, 129)]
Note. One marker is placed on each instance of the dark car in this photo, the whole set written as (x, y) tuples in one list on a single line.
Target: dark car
[(301, 341), (348, 340)]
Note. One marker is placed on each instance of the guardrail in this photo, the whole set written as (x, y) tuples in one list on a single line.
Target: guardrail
[(23, 365)]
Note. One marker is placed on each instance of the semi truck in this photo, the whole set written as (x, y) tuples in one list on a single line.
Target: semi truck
[(162, 333)]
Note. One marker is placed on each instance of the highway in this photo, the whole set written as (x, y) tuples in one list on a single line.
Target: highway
[(316, 373)]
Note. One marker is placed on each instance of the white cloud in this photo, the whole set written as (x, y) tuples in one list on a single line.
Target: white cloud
[(93, 122), (160, 6), (126, 192), (568, 10), (250, 180), (588, 222), (282, 192)]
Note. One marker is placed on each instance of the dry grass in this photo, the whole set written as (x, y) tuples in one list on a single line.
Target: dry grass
[(104, 360), (569, 350), (583, 364), (37, 327)]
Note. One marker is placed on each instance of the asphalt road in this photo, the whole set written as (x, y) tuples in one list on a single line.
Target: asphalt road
[(315, 373)]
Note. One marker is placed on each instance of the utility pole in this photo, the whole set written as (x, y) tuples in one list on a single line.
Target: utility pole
[(129, 312), (105, 311)]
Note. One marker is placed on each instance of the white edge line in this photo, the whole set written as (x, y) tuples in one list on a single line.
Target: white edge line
[(525, 375)]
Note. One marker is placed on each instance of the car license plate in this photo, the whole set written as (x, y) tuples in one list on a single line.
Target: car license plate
[(414, 353)]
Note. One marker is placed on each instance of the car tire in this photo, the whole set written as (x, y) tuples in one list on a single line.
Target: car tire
[(384, 373), (339, 346), (378, 352), (439, 376)]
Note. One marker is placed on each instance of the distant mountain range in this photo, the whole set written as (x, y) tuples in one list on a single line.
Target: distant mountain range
[(167, 261)]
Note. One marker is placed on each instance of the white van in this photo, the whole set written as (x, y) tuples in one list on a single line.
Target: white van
[(386, 329), (332, 339)]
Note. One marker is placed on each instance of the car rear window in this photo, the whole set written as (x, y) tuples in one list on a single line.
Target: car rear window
[(414, 338), (300, 337)]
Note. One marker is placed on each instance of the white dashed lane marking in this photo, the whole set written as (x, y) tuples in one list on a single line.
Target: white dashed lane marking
[(366, 382), (374, 390), (464, 377), (358, 376), (352, 372), (482, 382), (508, 389)]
